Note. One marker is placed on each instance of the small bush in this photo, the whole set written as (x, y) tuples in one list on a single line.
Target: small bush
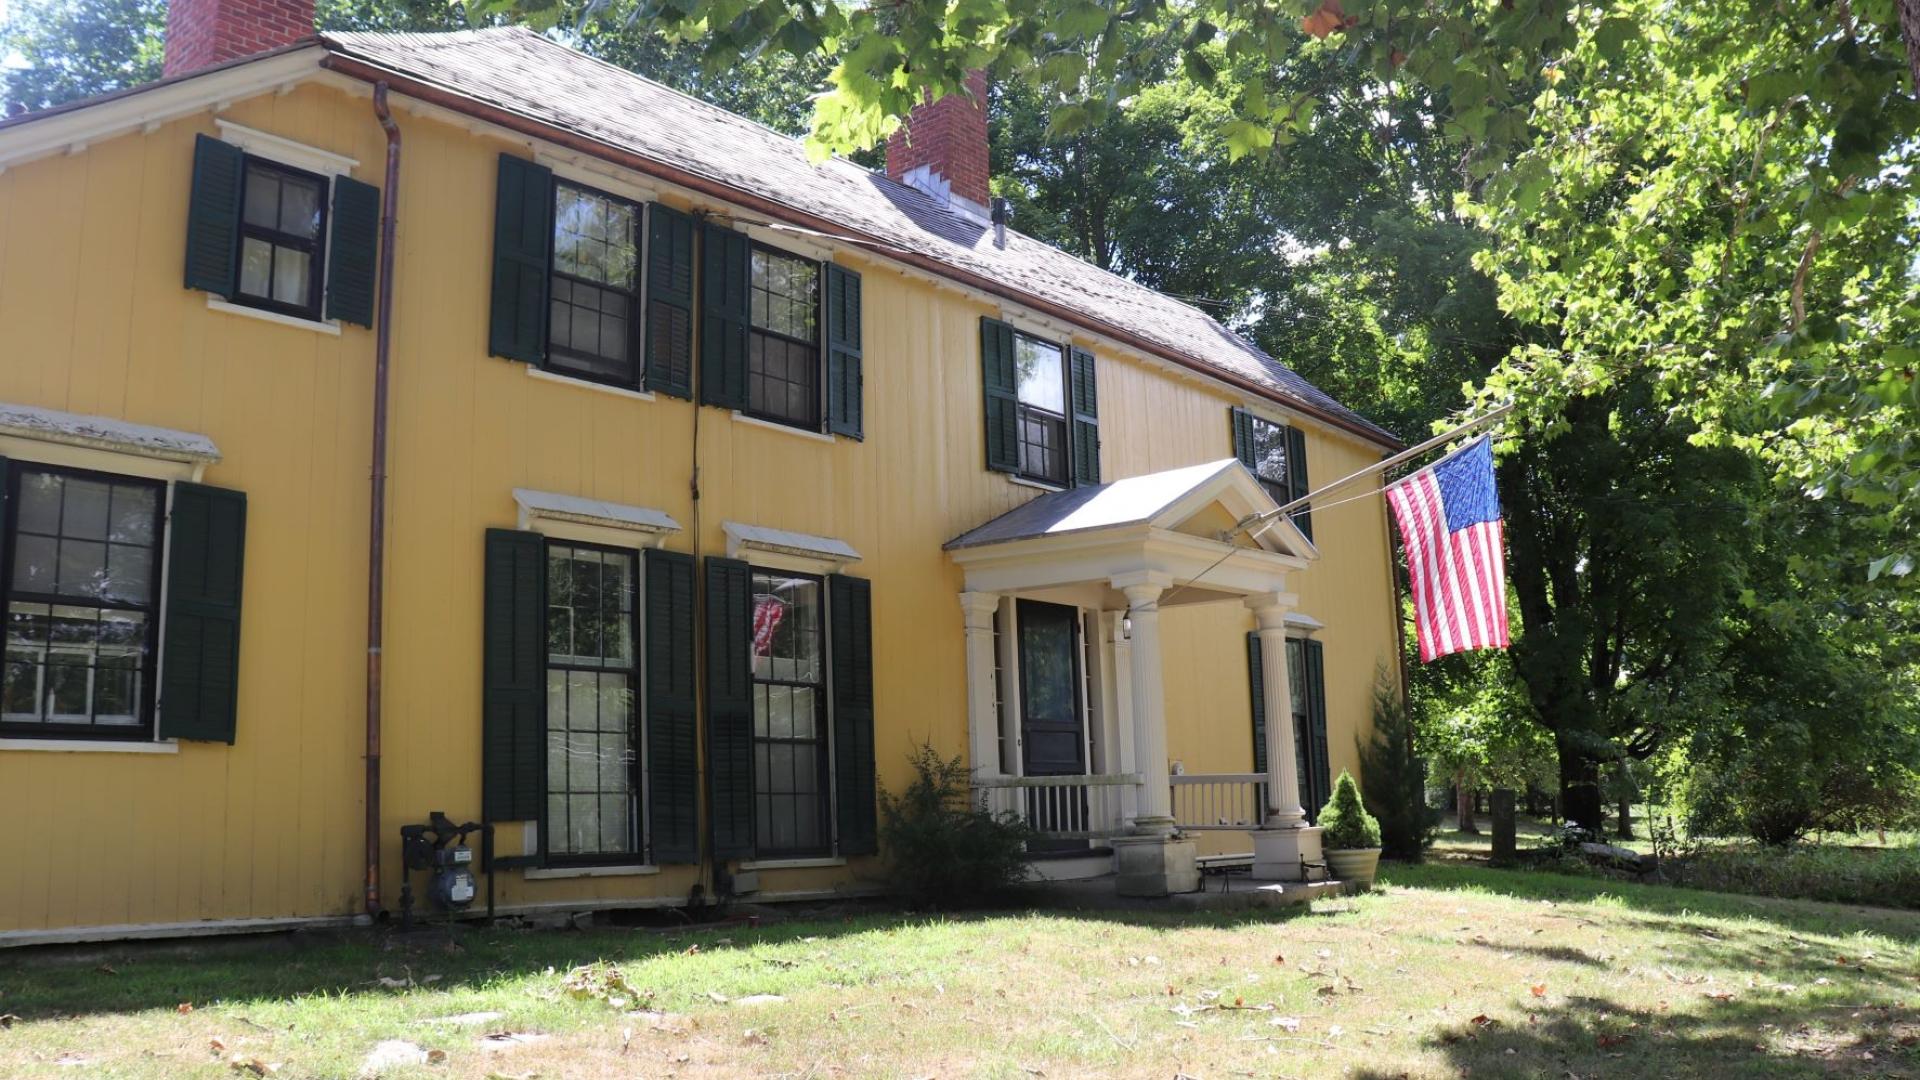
[(943, 851), (1395, 779), (1344, 821)]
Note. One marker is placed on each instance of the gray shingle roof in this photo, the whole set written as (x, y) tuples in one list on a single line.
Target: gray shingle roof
[(521, 72), (1117, 503)]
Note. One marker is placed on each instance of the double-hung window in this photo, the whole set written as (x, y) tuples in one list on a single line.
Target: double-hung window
[(790, 751), (593, 731), (593, 327), (783, 345), (283, 231), (1276, 454), (81, 598), (1042, 394)]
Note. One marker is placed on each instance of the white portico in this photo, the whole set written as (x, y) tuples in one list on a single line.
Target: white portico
[(1066, 706)]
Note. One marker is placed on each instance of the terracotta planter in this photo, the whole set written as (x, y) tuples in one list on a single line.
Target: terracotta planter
[(1354, 864)]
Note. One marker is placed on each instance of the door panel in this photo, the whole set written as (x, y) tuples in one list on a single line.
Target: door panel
[(1051, 717)]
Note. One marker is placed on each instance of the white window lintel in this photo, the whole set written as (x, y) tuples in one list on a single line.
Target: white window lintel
[(103, 443), (815, 553), (285, 150), (593, 519)]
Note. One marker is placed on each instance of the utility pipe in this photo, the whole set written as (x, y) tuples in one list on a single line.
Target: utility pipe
[(377, 518)]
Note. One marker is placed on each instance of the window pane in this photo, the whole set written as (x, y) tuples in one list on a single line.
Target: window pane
[(290, 282), (300, 208), (256, 266), (1269, 451), (83, 512), (1042, 384), (785, 294), (594, 237), (40, 502), (33, 562), (133, 515), (263, 198), (129, 576), (83, 568)]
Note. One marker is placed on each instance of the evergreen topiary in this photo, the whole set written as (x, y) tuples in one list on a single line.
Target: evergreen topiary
[(1344, 822)]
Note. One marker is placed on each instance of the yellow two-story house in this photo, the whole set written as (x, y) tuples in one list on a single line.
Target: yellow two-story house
[(399, 423)]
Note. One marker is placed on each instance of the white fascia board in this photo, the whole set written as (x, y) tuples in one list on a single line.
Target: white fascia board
[(558, 507), (29, 139), (106, 433)]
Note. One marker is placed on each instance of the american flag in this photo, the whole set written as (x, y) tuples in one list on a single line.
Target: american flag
[(768, 610), (1449, 515)]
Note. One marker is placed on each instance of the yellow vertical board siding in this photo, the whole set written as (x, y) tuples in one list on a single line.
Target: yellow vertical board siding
[(97, 322), (90, 298)]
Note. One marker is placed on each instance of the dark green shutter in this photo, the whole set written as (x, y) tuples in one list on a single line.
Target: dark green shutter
[(353, 254), (213, 215), (726, 268), (1297, 485), (522, 245), (1319, 775), (1243, 440), (1085, 405), (513, 703), (200, 653), (669, 302), (850, 604), (1001, 383), (672, 719), (730, 706), (1257, 680), (845, 415)]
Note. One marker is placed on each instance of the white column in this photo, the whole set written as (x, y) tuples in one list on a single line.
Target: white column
[(1155, 815), (983, 722), (1283, 777), (1126, 755)]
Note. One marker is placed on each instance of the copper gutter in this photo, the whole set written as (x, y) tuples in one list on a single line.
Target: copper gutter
[(572, 140), (377, 519)]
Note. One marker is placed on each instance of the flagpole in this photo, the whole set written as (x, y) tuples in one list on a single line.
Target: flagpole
[(1374, 469)]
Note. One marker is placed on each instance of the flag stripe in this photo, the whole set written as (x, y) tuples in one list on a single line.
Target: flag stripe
[(1457, 575)]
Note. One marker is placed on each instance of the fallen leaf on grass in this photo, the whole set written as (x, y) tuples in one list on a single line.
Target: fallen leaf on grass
[(1539, 989), (253, 1066), (1285, 1023), (1484, 1021), (1717, 995), (392, 983), (183, 1008), (107, 969), (7, 1020), (1606, 1041), (436, 1057)]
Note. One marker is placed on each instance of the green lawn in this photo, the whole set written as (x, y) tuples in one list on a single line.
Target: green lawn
[(1447, 969)]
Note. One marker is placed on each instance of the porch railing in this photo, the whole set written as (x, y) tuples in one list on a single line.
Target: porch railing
[(1219, 801), (1061, 807)]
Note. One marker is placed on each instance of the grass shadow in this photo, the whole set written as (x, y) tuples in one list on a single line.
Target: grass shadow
[(1591, 1036)]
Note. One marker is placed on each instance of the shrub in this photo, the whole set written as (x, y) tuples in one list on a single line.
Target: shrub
[(1344, 821), (1395, 779), (943, 851), (1888, 877)]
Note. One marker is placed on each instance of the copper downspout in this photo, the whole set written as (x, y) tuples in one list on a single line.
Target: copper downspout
[(377, 520)]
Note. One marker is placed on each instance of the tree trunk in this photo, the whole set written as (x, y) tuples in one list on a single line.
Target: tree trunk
[(1463, 804), (1910, 30), (1505, 845), (1579, 786), (1625, 830)]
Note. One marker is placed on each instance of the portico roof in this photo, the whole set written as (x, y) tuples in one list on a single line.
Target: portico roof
[(1174, 528)]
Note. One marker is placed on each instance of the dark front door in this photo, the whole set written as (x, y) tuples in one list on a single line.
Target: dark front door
[(1050, 690)]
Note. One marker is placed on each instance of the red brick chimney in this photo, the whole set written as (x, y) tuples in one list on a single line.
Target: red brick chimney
[(949, 138), (202, 33)]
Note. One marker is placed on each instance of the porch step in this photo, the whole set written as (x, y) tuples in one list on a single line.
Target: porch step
[(1054, 867)]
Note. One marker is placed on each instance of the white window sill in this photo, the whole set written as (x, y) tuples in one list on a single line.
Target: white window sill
[(214, 303), (772, 425), (1038, 485), (556, 872), (91, 746), (794, 864), (588, 384)]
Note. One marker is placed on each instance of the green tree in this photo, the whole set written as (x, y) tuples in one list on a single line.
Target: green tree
[(62, 50)]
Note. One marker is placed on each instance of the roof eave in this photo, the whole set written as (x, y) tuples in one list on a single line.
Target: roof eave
[(344, 63)]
